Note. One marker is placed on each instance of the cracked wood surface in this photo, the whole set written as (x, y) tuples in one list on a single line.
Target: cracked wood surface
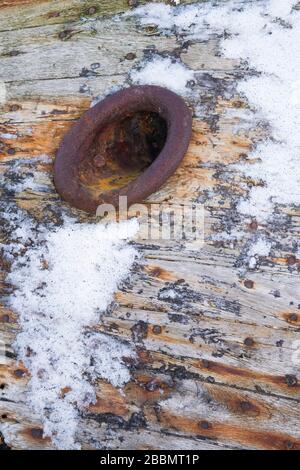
[(215, 368)]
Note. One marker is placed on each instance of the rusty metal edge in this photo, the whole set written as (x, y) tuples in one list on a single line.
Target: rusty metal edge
[(78, 140)]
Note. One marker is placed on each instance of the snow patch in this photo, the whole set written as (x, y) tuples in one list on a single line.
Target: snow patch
[(169, 294), (264, 35), (7, 135)]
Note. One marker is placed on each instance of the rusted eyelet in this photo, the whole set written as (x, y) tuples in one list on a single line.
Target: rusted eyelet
[(126, 145)]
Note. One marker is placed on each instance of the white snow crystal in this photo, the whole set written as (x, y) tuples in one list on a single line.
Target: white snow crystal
[(63, 285)]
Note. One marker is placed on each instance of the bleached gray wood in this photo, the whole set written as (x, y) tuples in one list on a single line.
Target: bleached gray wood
[(236, 393)]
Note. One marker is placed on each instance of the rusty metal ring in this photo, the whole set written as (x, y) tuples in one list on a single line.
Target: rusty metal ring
[(77, 144)]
